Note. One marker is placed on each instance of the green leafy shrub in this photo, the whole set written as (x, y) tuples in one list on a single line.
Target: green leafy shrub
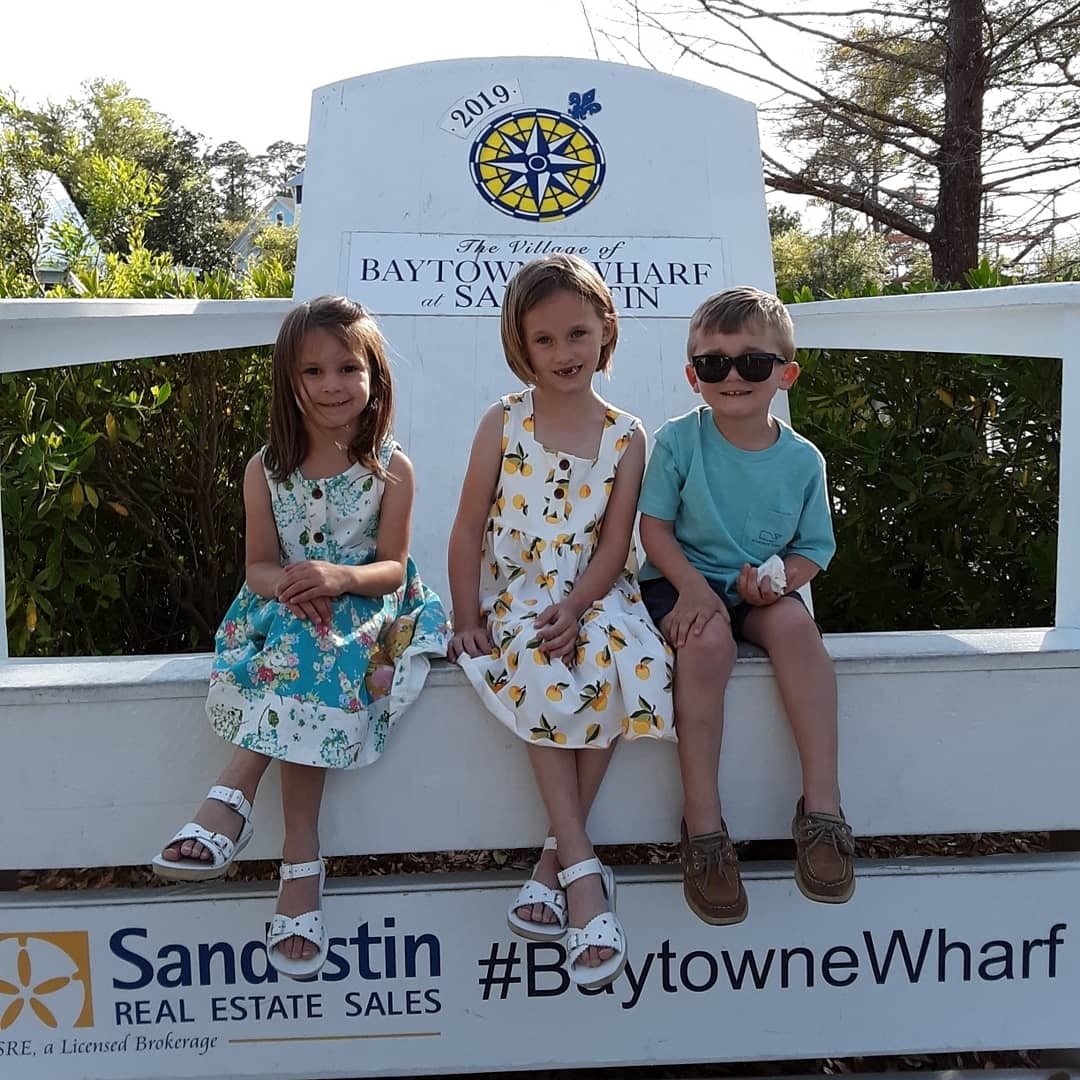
[(122, 504), (944, 476)]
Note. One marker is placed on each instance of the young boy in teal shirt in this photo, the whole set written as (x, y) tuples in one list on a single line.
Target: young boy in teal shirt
[(728, 486)]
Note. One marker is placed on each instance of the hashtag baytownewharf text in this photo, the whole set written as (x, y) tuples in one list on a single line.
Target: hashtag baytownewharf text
[(875, 958)]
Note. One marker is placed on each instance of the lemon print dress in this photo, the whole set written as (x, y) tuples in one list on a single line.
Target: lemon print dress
[(542, 530)]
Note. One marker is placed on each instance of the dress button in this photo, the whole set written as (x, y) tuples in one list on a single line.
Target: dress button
[(316, 493), (560, 493), (318, 538), (564, 464)]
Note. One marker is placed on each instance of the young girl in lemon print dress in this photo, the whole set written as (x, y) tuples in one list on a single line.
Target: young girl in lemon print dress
[(549, 625)]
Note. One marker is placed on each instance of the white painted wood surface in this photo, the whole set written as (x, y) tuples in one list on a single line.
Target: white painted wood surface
[(941, 732), (36, 334), (929, 956), (1018, 320)]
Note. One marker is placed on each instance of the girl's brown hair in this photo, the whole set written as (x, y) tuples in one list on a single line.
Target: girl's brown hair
[(540, 279), (356, 330)]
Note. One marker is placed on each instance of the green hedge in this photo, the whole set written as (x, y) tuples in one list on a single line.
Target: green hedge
[(944, 477), (123, 518), (123, 521)]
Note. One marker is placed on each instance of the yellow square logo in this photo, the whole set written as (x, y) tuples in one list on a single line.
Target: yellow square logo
[(45, 979)]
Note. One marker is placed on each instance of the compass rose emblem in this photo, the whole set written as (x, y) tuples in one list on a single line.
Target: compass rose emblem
[(537, 164)]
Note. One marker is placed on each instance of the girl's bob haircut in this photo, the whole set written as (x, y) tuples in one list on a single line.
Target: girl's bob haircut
[(356, 330), (533, 284)]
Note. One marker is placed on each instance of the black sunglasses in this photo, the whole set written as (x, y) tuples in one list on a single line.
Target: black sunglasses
[(752, 366)]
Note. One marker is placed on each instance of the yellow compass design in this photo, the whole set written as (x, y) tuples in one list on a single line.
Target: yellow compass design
[(537, 164)]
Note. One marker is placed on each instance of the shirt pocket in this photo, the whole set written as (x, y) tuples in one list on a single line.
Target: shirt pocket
[(767, 532)]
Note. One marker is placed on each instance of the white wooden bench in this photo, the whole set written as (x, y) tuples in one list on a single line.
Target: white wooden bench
[(966, 731)]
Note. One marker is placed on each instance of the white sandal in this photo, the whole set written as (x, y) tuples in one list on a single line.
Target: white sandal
[(223, 849), (536, 892), (308, 926), (603, 931)]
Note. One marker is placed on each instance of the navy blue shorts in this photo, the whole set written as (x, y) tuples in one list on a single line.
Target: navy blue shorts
[(659, 596)]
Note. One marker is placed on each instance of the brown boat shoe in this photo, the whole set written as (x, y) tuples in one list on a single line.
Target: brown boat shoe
[(824, 856), (711, 884)]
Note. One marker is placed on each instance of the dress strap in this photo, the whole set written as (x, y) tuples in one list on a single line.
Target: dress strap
[(270, 482), (619, 428), (516, 410), (386, 451)]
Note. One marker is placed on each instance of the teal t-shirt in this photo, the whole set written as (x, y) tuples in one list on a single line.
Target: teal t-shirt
[(733, 506)]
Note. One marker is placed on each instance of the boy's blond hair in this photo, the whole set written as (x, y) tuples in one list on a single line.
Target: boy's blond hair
[(734, 310), (533, 284)]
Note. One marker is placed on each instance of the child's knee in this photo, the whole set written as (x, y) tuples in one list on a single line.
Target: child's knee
[(793, 629), (712, 651)]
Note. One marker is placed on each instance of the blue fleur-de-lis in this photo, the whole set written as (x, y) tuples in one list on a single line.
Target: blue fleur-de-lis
[(582, 105)]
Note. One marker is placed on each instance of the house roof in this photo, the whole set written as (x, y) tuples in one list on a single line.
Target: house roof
[(58, 209), (262, 218)]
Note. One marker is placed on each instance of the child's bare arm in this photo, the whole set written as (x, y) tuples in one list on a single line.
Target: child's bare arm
[(262, 549), (697, 602), (798, 570), (466, 545)]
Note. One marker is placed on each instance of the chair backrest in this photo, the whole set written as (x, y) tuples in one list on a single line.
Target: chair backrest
[(427, 186)]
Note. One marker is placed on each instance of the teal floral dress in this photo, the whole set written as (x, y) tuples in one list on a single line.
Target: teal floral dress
[(324, 695)]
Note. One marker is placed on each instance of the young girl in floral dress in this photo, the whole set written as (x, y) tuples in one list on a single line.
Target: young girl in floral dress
[(549, 625), (329, 640)]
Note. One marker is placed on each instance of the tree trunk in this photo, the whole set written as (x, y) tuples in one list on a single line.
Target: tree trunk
[(954, 240)]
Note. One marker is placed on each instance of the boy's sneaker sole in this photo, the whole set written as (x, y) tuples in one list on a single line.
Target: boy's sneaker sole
[(823, 898)]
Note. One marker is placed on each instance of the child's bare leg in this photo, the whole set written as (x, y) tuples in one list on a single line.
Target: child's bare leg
[(702, 668), (301, 799), (824, 845), (807, 683), (592, 765), (556, 774), (244, 771)]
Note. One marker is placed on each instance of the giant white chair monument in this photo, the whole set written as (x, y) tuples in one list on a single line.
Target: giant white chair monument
[(425, 188)]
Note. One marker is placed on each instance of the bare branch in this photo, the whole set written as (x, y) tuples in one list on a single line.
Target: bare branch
[(588, 24), (817, 95), (1012, 178), (841, 195), (1037, 29)]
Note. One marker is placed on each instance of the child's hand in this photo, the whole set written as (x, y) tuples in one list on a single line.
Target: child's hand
[(310, 580), (474, 642), (753, 593), (319, 610), (557, 628), (692, 611)]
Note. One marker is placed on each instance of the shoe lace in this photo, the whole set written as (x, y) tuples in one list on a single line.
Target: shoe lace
[(713, 851), (817, 829)]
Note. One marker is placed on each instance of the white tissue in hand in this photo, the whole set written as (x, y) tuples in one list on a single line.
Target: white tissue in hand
[(773, 569)]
